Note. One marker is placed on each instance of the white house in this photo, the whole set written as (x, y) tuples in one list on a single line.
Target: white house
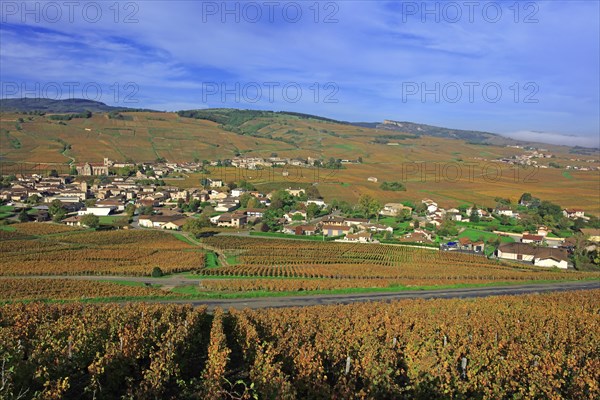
[(215, 182), (98, 211), (454, 216), (573, 213), (355, 221), (234, 220), (361, 237), (174, 222), (477, 211), (226, 207), (377, 228), (318, 202), (238, 192), (255, 212), (503, 210), (539, 256), (551, 261), (431, 208), (392, 209)]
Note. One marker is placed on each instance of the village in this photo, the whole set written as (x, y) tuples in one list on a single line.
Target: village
[(95, 199), (535, 158)]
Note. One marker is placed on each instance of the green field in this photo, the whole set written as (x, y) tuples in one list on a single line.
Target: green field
[(475, 234)]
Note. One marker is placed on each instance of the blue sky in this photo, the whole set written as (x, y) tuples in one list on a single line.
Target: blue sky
[(530, 71)]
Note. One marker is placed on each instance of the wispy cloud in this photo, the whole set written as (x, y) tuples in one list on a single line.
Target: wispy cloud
[(371, 52)]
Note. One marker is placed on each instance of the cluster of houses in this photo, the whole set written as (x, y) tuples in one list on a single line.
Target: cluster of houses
[(531, 156), (434, 214), (348, 229), (528, 159), (572, 213), (544, 251), (112, 197)]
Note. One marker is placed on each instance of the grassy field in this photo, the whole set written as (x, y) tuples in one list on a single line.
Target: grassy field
[(426, 165), (475, 234), (212, 260)]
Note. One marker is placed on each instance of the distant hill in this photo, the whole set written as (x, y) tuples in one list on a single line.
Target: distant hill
[(58, 106), (476, 137), (236, 117), (469, 136)]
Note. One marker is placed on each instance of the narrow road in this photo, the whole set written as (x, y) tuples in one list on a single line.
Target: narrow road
[(325, 299), (313, 300)]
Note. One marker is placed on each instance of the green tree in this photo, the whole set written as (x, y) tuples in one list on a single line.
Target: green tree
[(91, 221), (90, 202), (193, 205), (447, 228), (420, 209), (253, 203), (33, 199), (280, 199), (120, 223), (297, 217), (146, 210), (271, 217), (549, 208), (130, 210), (393, 186), (312, 210), (56, 210), (23, 217), (246, 185), (403, 215), (368, 206), (195, 226), (245, 199), (525, 198)]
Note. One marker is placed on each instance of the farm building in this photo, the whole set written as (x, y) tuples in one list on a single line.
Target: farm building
[(539, 256)]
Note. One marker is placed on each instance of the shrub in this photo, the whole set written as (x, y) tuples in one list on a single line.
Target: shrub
[(157, 272)]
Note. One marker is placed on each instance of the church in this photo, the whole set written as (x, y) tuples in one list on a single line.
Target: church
[(92, 169)]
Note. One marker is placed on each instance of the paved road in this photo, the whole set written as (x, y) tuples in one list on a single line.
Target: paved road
[(324, 299), (313, 300)]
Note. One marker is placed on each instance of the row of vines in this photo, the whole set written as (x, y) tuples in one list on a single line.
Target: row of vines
[(285, 259), (535, 346), (96, 253)]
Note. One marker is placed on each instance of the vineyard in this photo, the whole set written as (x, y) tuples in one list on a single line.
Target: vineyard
[(341, 262), (12, 289), (96, 253), (32, 228), (536, 346)]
